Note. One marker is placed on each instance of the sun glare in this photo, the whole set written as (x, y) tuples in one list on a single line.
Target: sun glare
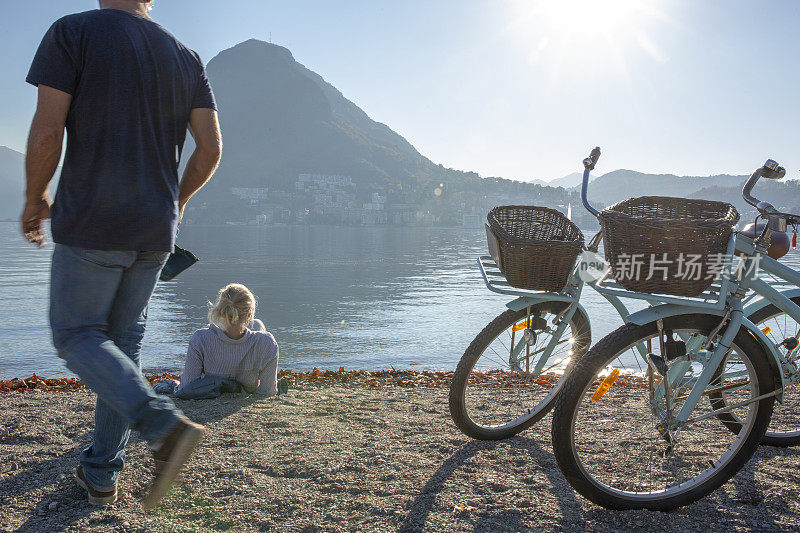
[(588, 17), (573, 28)]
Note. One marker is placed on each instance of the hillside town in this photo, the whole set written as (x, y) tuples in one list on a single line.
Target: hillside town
[(335, 199)]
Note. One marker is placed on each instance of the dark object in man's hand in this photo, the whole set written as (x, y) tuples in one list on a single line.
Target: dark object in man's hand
[(178, 261)]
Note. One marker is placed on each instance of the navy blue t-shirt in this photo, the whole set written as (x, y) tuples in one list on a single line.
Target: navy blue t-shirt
[(133, 87)]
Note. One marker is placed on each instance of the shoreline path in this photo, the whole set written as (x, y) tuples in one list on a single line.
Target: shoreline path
[(359, 454)]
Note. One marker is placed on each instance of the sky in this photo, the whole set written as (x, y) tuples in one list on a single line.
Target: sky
[(520, 89)]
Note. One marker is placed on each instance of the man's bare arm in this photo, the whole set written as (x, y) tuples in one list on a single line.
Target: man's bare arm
[(204, 127), (41, 160)]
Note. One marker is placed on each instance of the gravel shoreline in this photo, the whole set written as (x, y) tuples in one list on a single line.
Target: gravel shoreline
[(345, 457)]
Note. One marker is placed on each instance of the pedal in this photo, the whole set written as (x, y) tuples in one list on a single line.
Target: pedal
[(658, 362), (668, 438)]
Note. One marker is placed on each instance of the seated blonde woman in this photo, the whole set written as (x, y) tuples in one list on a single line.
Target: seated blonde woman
[(235, 346)]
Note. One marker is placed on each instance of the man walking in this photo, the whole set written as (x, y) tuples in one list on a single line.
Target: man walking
[(125, 90)]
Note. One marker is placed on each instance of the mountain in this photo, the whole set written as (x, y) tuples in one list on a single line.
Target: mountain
[(621, 184), (570, 181), (784, 195), (12, 180), (280, 119)]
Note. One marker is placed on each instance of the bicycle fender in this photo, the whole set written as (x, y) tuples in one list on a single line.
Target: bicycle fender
[(522, 302), (762, 302), (651, 314), (662, 311)]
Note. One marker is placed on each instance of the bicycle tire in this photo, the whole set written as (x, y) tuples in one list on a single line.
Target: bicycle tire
[(459, 410), (582, 377)]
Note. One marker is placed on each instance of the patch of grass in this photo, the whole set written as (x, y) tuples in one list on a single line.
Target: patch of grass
[(189, 511)]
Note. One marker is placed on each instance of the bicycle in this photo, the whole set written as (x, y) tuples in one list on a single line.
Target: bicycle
[(629, 428), (510, 374)]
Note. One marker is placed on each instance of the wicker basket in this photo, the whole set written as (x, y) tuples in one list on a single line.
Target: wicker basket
[(676, 242), (534, 247)]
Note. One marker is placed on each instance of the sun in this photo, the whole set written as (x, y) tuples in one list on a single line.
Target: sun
[(587, 28), (587, 17)]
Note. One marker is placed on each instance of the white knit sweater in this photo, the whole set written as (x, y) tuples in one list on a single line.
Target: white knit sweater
[(251, 360)]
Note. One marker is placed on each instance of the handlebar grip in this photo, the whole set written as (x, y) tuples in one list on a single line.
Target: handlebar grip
[(591, 161), (772, 170)]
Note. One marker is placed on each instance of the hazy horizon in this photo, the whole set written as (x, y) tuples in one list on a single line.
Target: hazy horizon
[(520, 90)]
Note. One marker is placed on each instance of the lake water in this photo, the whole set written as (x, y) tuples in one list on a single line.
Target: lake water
[(362, 297)]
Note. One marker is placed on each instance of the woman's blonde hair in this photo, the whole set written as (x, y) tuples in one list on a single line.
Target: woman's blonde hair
[(235, 305)]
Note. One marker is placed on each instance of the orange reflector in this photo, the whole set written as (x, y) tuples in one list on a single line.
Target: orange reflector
[(521, 325), (605, 385), (766, 330)]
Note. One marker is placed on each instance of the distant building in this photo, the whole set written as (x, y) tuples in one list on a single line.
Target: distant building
[(322, 181), (402, 214), (328, 193), (251, 193), (372, 217), (472, 220)]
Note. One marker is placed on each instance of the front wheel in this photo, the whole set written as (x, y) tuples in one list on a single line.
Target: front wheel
[(616, 434), (505, 382)]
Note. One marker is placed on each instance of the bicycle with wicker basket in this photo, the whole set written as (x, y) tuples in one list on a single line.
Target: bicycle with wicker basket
[(667, 408), (510, 374)]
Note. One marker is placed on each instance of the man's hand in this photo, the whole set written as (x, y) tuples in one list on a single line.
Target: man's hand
[(34, 214)]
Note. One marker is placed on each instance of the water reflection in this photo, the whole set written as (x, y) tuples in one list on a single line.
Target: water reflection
[(355, 297)]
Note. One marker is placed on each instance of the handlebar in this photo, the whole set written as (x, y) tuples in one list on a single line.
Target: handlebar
[(588, 166), (770, 170), (776, 221)]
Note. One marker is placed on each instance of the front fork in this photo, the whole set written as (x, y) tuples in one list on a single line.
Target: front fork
[(516, 357)]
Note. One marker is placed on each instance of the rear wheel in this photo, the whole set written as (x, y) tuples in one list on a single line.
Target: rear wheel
[(784, 426), (503, 384), (616, 435)]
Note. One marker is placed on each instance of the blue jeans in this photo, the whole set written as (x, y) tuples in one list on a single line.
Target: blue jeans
[(207, 388), (98, 310)]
